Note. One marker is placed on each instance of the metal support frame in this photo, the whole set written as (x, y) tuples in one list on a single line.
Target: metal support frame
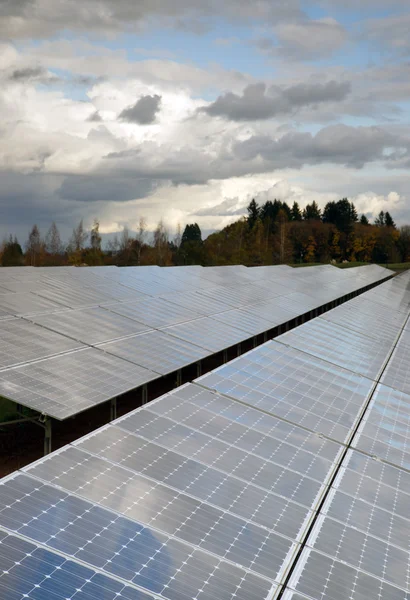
[(225, 356), (238, 350), (144, 393), (47, 435), (179, 378), (113, 409), (199, 368), (254, 341)]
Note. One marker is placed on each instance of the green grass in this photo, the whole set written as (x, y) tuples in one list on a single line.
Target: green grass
[(399, 267)]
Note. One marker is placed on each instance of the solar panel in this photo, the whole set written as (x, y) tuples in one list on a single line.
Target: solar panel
[(128, 295), (155, 312), (92, 326), (397, 373), (24, 342), (336, 344), (252, 324), (196, 301), (26, 304), (207, 333), (156, 350), (294, 386), (67, 384), (119, 546), (30, 571)]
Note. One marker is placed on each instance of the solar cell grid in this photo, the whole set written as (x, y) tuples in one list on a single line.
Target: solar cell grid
[(34, 573), (250, 322), (208, 334), (91, 326), (196, 301), (385, 430), (296, 386), (26, 304), (154, 312), (67, 384), (196, 477), (169, 511), (343, 347), (125, 548), (23, 342), (397, 372), (155, 350)]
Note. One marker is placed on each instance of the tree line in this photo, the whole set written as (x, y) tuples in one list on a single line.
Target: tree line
[(271, 233)]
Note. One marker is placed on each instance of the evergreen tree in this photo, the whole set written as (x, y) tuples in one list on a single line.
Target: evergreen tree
[(312, 212), (364, 220), (12, 254), (192, 233), (295, 213), (388, 221), (380, 219), (253, 213)]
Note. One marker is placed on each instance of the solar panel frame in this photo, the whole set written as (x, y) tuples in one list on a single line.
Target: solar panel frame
[(52, 386)]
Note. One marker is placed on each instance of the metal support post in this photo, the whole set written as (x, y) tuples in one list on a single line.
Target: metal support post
[(265, 336), (19, 409), (225, 356), (238, 350), (113, 409), (144, 393), (199, 368), (179, 378), (47, 436), (255, 341)]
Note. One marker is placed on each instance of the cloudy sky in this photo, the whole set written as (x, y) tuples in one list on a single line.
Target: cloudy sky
[(186, 109)]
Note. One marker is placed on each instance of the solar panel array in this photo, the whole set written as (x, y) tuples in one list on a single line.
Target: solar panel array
[(257, 481), (75, 337)]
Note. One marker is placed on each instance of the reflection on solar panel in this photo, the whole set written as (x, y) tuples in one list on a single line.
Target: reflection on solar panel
[(30, 571), (359, 545), (254, 482), (91, 325), (339, 345), (67, 384), (108, 307), (156, 351), (294, 386), (23, 342)]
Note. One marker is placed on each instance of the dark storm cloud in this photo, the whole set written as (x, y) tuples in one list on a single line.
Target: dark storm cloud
[(40, 18), (338, 144), (258, 103), (143, 112), (99, 188), (27, 73)]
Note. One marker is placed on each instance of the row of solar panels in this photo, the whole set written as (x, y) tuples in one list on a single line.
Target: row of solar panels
[(61, 360), (223, 489)]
